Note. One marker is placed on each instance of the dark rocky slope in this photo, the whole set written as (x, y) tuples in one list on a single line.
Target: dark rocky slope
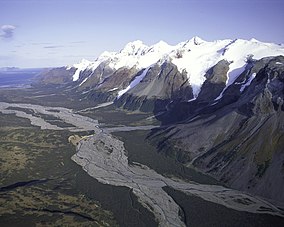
[(238, 139), (161, 85)]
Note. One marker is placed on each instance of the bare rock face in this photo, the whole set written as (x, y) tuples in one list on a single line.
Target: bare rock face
[(103, 86), (215, 83), (238, 139), (161, 85), (263, 103), (89, 79)]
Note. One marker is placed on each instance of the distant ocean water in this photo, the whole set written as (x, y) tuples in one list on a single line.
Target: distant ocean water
[(18, 78)]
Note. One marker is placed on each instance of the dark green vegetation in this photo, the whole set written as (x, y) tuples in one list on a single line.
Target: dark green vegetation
[(40, 184), (38, 180)]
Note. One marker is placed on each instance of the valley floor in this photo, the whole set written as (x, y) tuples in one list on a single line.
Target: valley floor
[(34, 166)]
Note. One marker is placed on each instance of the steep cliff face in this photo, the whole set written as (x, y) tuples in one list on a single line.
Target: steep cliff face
[(238, 138)]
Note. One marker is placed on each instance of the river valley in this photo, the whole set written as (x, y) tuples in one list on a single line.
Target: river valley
[(104, 157)]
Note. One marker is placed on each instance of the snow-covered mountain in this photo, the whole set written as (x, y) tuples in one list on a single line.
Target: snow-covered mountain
[(195, 56), (226, 96), (114, 75)]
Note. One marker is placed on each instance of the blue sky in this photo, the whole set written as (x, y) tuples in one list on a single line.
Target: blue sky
[(46, 33)]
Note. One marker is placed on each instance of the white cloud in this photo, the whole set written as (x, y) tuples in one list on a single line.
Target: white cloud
[(7, 31)]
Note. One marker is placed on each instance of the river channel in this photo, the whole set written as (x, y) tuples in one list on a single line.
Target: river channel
[(104, 157)]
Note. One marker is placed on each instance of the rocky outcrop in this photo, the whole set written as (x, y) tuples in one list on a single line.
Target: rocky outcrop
[(239, 95), (216, 78), (162, 85)]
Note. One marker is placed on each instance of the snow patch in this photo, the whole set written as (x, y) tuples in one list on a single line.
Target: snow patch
[(85, 92), (80, 67), (114, 89), (83, 81), (103, 105), (191, 100), (136, 81), (134, 48), (248, 82)]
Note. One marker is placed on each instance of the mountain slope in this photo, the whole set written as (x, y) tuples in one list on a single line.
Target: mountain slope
[(239, 138), (160, 85)]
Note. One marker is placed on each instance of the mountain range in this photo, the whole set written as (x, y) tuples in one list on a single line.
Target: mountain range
[(220, 103)]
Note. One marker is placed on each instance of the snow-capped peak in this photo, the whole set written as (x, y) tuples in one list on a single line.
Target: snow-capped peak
[(83, 63), (254, 40), (107, 54), (134, 48), (191, 43), (159, 49), (196, 40), (81, 67), (240, 50), (161, 46), (197, 59)]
